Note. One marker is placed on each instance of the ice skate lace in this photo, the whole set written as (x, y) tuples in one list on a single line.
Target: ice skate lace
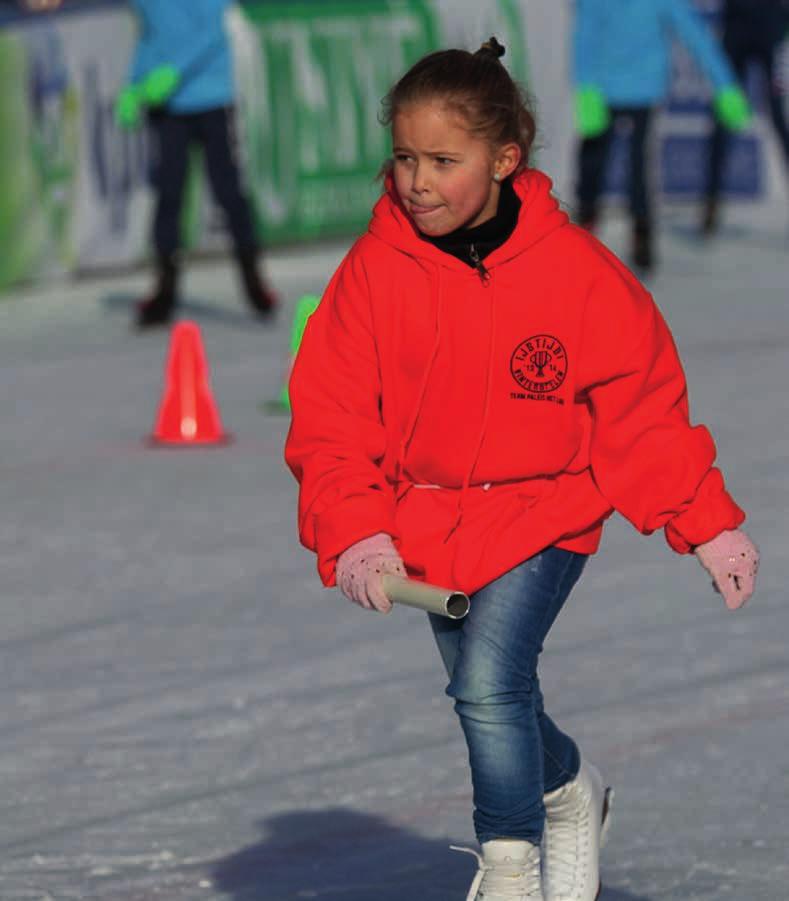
[(508, 879), (566, 847)]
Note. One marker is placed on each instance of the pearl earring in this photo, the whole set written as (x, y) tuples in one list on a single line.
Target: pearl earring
[(496, 176)]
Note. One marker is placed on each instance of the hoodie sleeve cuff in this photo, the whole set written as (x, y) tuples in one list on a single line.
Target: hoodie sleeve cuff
[(345, 524), (713, 511)]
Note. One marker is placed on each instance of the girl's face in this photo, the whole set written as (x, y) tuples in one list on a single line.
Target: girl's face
[(444, 173)]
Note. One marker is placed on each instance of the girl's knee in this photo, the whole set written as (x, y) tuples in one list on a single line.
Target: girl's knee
[(490, 701)]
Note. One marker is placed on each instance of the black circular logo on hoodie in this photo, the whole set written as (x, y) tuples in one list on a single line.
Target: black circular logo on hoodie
[(539, 364)]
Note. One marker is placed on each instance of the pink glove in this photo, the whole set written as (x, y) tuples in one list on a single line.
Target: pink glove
[(732, 560), (361, 567)]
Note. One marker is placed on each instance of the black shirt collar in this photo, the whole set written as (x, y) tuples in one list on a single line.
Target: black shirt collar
[(483, 239)]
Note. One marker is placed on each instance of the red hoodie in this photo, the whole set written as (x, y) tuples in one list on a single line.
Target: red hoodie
[(481, 421)]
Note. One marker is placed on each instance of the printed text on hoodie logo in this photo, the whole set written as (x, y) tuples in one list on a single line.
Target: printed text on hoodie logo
[(539, 365)]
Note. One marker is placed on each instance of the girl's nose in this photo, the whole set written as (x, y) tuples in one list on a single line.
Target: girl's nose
[(420, 184)]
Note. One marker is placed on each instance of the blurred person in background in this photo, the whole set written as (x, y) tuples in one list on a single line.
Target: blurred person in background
[(622, 61), (182, 78), (752, 33)]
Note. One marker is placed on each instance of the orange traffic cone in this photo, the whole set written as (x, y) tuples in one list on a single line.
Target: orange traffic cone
[(188, 414)]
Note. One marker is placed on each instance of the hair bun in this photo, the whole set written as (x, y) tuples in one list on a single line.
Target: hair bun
[(492, 48)]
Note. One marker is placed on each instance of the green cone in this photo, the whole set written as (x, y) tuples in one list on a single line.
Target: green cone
[(305, 307)]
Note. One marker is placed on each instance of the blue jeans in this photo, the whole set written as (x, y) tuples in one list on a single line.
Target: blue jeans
[(516, 751)]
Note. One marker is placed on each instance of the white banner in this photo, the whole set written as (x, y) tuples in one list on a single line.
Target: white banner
[(113, 197)]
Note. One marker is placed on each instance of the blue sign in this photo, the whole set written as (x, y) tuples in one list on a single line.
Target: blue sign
[(684, 164)]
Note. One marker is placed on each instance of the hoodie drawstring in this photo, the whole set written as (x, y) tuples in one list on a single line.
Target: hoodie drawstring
[(485, 414), (411, 427)]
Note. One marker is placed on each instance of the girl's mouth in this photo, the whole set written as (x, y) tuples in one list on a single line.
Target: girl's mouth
[(419, 210)]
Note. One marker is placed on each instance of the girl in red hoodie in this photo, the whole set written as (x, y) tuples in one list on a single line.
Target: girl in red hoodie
[(482, 385)]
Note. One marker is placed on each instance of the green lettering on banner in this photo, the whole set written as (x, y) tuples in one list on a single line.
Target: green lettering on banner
[(310, 101), (517, 56)]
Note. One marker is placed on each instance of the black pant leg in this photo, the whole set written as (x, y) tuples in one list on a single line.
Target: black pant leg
[(766, 60), (738, 53), (640, 202), (172, 138), (592, 162), (716, 157), (220, 142)]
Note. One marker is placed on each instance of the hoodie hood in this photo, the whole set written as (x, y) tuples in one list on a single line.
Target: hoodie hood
[(539, 216)]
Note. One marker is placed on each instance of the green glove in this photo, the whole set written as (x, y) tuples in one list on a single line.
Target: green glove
[(732, 108), (159, 85), (128, 109), (592, 117)]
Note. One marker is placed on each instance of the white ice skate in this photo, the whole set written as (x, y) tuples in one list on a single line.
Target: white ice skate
[(509, 870), (576, 826)]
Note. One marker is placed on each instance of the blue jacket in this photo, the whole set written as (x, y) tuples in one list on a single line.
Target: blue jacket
[(622, 47), (190, 35)]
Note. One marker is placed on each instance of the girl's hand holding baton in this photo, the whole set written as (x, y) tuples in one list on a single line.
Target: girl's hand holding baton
[(361, 568), (371, 573)]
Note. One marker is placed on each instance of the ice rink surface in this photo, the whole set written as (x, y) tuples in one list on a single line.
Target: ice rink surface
[(187, 714)]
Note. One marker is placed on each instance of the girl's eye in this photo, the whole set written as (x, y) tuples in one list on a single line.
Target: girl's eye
[(444, 161), (402, 157)]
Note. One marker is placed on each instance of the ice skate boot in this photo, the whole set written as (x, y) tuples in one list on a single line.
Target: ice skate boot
[(576, 826), (509, 870), (159, 307), (259, 295), (710, 218)]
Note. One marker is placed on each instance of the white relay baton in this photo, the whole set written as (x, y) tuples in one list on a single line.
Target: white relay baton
[(432, 598)]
